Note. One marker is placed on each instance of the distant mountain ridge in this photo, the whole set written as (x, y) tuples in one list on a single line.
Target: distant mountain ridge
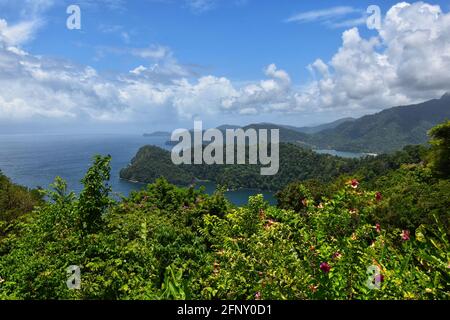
[(388, 130), (325, 126), (383, 132), (158, 134)]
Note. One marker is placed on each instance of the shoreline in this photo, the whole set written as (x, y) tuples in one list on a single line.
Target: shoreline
[(202, 181)]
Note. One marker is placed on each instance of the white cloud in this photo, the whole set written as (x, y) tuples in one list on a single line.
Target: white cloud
[(319, 15), (156, 52), (19, 33), (407, 61), (348, 23)]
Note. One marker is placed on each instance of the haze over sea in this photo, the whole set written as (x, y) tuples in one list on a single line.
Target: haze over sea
[(35, 160)]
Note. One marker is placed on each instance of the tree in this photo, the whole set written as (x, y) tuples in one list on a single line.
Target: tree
[(439, 156), (94, 199)]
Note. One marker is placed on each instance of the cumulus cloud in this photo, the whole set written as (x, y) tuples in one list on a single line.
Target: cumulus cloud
[(406, 61)]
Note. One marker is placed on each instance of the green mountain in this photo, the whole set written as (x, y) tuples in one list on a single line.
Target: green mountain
[(151, 163), (384, 132), (287, 135), (319, 128), (388, 130), (296, 164)]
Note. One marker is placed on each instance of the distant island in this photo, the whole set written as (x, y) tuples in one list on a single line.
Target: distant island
[(296, 164), (157, 134)]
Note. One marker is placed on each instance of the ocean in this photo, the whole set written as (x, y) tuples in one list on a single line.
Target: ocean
[(35, 160)]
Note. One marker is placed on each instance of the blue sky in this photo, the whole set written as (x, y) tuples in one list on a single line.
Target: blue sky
[(236, 39), (224, 47)]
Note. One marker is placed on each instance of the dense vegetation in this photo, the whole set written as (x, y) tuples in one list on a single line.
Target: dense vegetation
[(296, 164), (323, 241), (388, 130), (15, 202)]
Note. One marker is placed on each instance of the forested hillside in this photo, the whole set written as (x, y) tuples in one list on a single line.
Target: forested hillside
[(15, 203), (387, 131), (296, 164), (384, 239)]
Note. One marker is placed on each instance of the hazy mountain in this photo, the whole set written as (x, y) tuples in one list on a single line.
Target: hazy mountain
[(325, 126), (228, 126), (388, 130), (158, 134), (286, 134)]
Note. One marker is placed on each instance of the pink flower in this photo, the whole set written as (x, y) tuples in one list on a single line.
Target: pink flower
[(325, 267), (354, 183), (405, 235), (378, 227), (378, 196), (258, 296)]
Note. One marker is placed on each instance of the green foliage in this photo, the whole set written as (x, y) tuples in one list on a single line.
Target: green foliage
[(151, 163), (296, 165), (386, 131), (440, 152), (16, 202), (411, 197), (165, 242), (94, 199)]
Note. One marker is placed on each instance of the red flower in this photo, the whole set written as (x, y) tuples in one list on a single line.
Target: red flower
[(325, 267), (378, 196), (405, 235), (354, 183), (378, 227)]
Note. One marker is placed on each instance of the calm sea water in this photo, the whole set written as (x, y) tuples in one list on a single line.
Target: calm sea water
[(35, 160), (345, 154)]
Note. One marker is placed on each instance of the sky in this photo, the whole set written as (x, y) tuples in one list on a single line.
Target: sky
[(147, 65)]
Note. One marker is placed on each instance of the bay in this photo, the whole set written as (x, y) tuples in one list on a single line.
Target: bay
[(35, 160), (345, 154)]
